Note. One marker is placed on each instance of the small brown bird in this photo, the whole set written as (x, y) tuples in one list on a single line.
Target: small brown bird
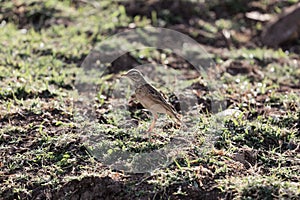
[(150, 98)]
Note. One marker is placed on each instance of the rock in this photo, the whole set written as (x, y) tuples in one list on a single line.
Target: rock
[(284, 28)]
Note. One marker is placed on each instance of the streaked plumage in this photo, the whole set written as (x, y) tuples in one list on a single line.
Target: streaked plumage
[(150, 98)]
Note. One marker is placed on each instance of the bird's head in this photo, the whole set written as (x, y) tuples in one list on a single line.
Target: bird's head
[(135, 75)]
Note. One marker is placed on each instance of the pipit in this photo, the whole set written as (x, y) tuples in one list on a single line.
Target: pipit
[(150, 98)]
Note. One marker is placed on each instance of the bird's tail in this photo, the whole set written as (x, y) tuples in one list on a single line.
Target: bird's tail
[(176, 117)]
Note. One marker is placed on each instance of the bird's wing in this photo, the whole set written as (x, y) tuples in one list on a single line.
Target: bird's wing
[(159, 99)]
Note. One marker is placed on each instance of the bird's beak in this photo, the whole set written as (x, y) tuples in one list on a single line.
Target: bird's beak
[(124, 74)]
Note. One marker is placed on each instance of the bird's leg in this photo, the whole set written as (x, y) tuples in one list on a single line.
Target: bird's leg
[(153, 122), (152, 126)]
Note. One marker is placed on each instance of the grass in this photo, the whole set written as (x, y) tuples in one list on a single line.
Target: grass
[(43, 141)]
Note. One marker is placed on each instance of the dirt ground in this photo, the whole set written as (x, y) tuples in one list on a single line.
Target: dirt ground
[(256, 155)]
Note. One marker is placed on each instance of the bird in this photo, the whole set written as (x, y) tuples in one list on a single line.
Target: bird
[(151, 98)]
